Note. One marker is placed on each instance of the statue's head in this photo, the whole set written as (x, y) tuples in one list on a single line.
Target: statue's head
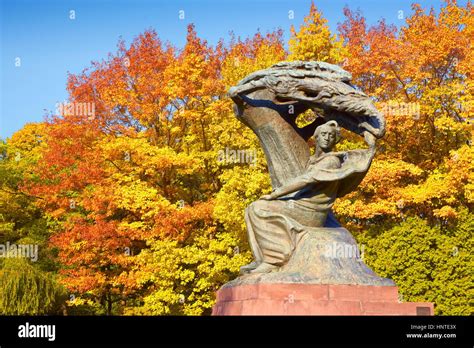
[(327, 135)]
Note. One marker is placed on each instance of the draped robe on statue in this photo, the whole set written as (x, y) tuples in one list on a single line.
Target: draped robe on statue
[(275, 226)]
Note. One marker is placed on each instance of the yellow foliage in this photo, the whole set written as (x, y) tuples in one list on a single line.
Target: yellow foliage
[(314, 40)]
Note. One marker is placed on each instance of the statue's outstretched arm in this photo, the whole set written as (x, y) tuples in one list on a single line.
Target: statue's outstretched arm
[(298, 184), (302, 181)]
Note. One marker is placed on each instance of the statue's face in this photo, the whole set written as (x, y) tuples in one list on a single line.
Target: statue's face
[(326, 138)]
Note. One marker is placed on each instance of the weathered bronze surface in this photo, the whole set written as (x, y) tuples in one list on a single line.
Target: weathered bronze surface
[(292, 232)]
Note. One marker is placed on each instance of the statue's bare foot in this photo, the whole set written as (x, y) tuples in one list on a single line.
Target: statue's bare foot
[(248, 268), (265, 268)]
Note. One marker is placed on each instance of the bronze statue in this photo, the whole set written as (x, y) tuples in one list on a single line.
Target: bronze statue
[(290, 229)]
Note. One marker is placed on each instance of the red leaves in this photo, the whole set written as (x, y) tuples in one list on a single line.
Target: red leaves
[(91, 253), (179, 224)]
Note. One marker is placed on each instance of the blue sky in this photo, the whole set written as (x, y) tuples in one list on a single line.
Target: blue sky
[(50, 44)]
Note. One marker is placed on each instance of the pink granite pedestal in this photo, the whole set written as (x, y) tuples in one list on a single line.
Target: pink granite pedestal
[(315, 299)]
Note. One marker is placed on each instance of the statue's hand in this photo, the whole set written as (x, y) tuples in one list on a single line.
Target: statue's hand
[(369, 139), (267, 197)]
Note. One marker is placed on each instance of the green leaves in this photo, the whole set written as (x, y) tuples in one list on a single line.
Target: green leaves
[(26, 290), (432, 264)]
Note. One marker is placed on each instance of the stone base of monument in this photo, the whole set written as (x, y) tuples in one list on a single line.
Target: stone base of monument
[(315, 299), (325, 276)]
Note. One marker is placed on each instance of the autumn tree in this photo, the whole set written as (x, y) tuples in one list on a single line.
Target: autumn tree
[(27, 285), (314, 40), (420, 86)]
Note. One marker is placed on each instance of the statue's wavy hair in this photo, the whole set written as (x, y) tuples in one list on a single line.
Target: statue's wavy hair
[(330, 124)]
